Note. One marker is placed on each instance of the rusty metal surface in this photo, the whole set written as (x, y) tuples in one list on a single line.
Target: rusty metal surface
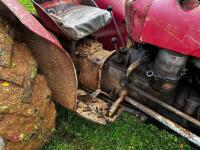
[(58, 69), (89, 60), (116, 104), (133, 66), (54, 61), (96, 109), (173, 126), (111, 78), (92, 108)]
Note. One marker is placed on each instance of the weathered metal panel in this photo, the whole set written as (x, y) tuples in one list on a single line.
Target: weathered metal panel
[(136, 12), (89, 60), (169, 26), (107, 33), (53, 60)]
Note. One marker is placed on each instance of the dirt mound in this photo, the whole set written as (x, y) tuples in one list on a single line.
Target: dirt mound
[(27, 114)]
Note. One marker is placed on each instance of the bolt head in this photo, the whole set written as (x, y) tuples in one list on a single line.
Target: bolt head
[(114, 40)]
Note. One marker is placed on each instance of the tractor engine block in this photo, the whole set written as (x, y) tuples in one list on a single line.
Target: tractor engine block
[(159, 72)]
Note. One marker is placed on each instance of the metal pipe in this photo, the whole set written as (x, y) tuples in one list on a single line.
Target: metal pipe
[(133, 66), (173, 126), (116, 26), (124, 93), (115, 105), (114, 41), (99, 91), (163, 104)]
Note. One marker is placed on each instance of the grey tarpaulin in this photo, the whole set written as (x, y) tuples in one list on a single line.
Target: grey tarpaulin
[(81, 21)]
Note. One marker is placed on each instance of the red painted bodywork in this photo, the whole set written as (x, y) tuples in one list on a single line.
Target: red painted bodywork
[(104, 35), (136, 12), (165, 24)]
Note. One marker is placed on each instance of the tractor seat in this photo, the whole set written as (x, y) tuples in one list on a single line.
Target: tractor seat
[(80, 21)]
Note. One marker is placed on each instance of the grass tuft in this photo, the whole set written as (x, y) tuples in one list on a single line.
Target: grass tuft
[(28, 4)]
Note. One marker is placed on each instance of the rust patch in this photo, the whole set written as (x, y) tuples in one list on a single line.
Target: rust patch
[(58, 69), (92, 108), (89, 60)]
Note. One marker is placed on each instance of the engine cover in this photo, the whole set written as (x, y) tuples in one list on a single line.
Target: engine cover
[(176, 29)]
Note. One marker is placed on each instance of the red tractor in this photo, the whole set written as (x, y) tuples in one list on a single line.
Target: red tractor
[(142, 56)]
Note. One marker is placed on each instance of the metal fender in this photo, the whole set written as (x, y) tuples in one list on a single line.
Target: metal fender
[(53, 60)]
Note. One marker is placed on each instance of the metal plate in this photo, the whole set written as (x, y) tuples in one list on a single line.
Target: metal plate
[(90, 108)]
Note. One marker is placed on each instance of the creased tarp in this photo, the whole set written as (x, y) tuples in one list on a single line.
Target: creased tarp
[(81, 21)]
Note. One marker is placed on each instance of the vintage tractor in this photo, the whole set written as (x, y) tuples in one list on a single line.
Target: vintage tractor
[(142, 56), (154, 68)]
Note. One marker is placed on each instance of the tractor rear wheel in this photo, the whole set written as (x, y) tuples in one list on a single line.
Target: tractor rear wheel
[(27, 113)]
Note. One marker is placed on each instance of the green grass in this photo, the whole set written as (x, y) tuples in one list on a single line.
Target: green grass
[(127, 133), (28, 5)]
